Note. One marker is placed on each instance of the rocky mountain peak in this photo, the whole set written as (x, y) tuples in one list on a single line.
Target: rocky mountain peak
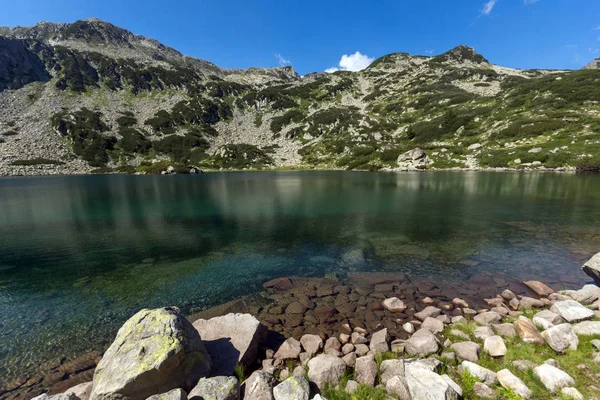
[(461, 54), (595, 64)]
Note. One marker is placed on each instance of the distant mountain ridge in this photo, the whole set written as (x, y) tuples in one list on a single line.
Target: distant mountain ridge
[(92, 96)]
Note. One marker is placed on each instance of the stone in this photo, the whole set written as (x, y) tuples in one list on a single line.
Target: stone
[(390, 368), (561, 337), (397, 387), (552, 362), (344, 338), (361, 349), (495, 346), (509, 381), (175, 394), (460, 334), (483, 332), (553, 378), (508, 295), (505, 330), (430, 364), (528, 332), (487, 318), (289, 349), (394, 304), (572, 311), (514, 304), (350, 359), (483, 391), (347, 348), (429, 311), (409, 328), (312, 344), (587, 328), (84, 390), (357, 338), (542, 323), (468, 351), (293, 388), (60, 396), (539, 288), (415, 159), (425, 384), (232, 339), (281, 284), (530, 302), (571, 393), (596, 344), (483, 374), (365, 370), (259, 386), (380, 341), (299, 371), (592, 268), (459, 319), (586, 295), (549, 316), (295, 308), (216, 388), (325, 368), (351, 386), (421, 344), (333, 343), (433, 325), (284, 374), (524, 365), (453, 385), (460, 302), (155, 351), (398, 345)]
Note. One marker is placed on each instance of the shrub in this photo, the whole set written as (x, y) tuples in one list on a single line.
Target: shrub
[(278, 123), (37, 161), (10, 133)]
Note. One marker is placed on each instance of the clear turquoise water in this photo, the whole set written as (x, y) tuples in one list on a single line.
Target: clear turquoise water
[(79, 255)]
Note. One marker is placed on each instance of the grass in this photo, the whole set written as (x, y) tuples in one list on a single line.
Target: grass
[(363, 392), (240, 373)]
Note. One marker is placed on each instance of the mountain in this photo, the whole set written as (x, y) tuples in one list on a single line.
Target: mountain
[(90, 96), (594, 64)]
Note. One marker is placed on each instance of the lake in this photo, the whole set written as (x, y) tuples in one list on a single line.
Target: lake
[(81, 254)]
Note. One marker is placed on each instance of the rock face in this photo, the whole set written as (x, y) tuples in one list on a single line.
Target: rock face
[(553, 378), (293, 388), (231, 339), (259, 386), (413, 159), (154, 351), (325, 368), (421, 344), (572, 311), (592, 268)]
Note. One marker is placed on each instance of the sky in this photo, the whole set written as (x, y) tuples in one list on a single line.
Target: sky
[(324, 35)]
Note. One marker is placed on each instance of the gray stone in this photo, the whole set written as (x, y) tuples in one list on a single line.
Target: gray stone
[(293, 388), (542, 323), (587, 328), (389, 369), (430, 364), (524, 365), (509, 381), (216, 388), (553, 378), (289, 349), (571, 393), (380, 341), (561, 337), (351, 386), (425, 384), (347, 348), (429, 311), (333, 344), (155, 351), (483, 391), (350, 359), (487, 318), (361, 349), (232, 339), (572, 311), (495, 346), (326, 368), (84, 390), (175, 394), (586, 295), (299, 371), (550, 316), (505, 330), (398, 387), (592, 268), (415, 159), (527, 331), (394, 305), (596, 344), (312, 344), (460, 334), (483, 332), (468, 351), (357, 338), (530, 302), (259, 386), (409, 328), (453, 385), (551, 361), (433, 325), (60, 396), (365, 370), (483, 374), (421, 344)]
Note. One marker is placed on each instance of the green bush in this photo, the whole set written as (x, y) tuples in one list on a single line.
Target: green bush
[(37, 161), (10, 133), (278, 123)]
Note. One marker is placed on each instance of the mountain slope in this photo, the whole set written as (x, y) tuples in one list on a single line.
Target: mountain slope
[(89, 95)]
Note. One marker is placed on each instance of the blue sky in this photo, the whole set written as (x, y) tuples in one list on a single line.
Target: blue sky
[(314, 35)]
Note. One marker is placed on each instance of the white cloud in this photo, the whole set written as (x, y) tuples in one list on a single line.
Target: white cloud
[(353, 62), (530, 1), (281, 60), (488, 7)]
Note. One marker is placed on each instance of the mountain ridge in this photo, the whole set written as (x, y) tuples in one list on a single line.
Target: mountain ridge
[(90, 95)]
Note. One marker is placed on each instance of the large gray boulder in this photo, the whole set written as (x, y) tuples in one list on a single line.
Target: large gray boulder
[(326, 368), (389, 369), (421, 344), (468, 351), (293, 388), (82, 391), (175, 394), (365, 370), (216, 388), (291, 348), (553, 378), (483, 374), (592, 268), (425, 384), (154, 352), (232, 339), (587, 328), (561, 337), (509, 381), (259, 386), (398, 387), (312, 344), (413, 159), (572, 311)]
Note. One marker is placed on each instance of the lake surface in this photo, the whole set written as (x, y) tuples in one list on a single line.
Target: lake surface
[(79, 255)]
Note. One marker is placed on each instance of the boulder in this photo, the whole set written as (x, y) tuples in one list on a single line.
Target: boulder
[(325, 368), (351, 386), (572, 311), (509, 381), (587, 328), (312, 344), (592, 268), (259, 386), (487, 318), (216, 388), (425, 384), (539, 288), (421, 344), (524, 365), (527, 331), (483, 391), (468, 351), (293, 388), (232, 339), (460, 334), (430, 364), (571, 393), (350, 359), (347, 348), (361, 349), (398, 387), (175, 394), (483, 374), (365, 370), (549, 316), (429, 311), (530, 302), (495, 346), (586, 295), (553, 378), (380, 341), (541, 323), (291, 348), (433, 325), (155, 351), (394, 305), (390, 368), (483, 332), (82, 391), (413, 159), (505, 330), (409, 328), (561, 337)]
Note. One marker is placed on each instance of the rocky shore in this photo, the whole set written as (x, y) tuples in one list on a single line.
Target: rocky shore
[(380, 337)]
